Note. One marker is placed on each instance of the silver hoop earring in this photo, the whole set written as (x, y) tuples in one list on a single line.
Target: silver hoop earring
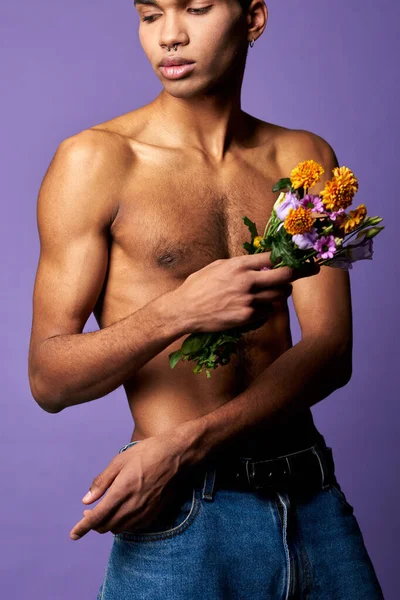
[(252, 43)]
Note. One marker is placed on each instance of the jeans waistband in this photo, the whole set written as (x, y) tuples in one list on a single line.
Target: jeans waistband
[(310, 466)]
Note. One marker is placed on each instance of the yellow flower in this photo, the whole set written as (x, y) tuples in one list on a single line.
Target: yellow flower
[(340, 190), (354, 219), (299, 220), (306, 174), (256, 241)]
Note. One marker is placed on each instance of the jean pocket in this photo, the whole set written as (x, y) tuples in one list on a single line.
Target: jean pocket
[(338, 493), (172, 520)]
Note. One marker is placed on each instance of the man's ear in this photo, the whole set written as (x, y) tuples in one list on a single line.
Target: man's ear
[(257, 17)]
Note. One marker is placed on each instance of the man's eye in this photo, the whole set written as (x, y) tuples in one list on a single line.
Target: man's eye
[(199, 11), (149, 19)]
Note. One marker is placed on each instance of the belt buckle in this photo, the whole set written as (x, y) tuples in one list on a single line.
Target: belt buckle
[(270, 474)]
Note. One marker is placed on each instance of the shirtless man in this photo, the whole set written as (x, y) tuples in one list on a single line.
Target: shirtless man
[(140, 221)]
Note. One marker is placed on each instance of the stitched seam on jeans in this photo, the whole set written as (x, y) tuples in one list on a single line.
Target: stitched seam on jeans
[(307, 577), (285, 544), (105, 577)]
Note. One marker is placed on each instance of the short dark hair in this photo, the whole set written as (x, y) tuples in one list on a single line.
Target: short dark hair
[(245, 4)]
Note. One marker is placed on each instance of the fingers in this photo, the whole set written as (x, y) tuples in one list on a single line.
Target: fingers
[(256, 261), (272, 294), (102, 481), (283, 275), (101, 513), (261, 262)]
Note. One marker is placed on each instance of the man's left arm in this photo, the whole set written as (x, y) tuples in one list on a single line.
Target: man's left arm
[(308, 372)]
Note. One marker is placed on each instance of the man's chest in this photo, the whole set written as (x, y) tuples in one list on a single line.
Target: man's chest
[(178, 217)]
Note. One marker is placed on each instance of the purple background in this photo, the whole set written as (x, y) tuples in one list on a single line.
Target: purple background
[(329, 67)]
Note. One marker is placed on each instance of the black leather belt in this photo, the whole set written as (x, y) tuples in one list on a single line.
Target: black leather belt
[(312, 467)]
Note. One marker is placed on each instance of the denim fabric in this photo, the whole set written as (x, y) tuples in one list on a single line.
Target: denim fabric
[(233, 544)]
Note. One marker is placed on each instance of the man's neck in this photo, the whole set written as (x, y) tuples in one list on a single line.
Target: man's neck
[(210, 123)]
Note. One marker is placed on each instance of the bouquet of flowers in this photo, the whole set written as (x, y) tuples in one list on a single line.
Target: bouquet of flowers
[(303, 227)]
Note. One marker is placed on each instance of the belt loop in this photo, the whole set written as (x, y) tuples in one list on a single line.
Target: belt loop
[(288, 466), (250, 475), (323, 466), (209, 481)]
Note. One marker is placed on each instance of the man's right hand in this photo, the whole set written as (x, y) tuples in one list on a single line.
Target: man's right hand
[(232, 292)]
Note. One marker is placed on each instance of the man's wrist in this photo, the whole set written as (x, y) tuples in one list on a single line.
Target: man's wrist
[(169, 310), (191, 442)]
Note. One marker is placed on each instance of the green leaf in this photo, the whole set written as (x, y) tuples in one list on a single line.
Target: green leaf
[(249, 247), (174, 358), (193, 343), (275, 252), (196, 342), (252, 227), (282, 184)]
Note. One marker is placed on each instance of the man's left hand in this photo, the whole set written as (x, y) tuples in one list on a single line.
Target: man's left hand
[(138, 481)]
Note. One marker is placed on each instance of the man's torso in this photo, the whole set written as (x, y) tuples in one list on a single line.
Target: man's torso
[(179, 210)]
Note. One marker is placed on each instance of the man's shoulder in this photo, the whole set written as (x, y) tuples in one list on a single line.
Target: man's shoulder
[(94, 142), (106, 151), (297, 145), (290, 146), (113, 137)]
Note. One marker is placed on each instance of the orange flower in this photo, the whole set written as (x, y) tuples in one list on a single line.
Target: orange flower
[(339, 191), (306, 174), (354, 219), (299, 220)]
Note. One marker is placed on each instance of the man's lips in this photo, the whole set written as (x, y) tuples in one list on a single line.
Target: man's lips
[(176, 67), (177, 71), (171, 62)]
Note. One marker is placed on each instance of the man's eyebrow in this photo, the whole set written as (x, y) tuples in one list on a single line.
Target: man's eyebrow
[(146, 2)]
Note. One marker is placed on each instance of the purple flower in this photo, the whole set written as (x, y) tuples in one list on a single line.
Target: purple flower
[(341, 262), (306, 240), (360, 237), (334, 214), (325, 246), (284, 203), (355, 250), (361, 251), (313, 202)]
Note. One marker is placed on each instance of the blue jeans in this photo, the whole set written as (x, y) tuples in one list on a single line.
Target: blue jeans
[(233, 544)]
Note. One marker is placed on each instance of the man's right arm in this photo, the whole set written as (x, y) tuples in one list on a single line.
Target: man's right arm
[(76, 204)]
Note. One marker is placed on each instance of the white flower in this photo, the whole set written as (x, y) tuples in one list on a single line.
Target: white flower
[(284, 204)]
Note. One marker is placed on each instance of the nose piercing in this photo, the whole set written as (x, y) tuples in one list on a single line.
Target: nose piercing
[(175, 48)]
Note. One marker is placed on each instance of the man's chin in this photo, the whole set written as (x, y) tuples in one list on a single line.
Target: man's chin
[(184, 88)]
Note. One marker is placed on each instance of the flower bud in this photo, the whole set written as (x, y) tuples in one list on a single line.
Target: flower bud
[(372, 232), (279, 200), (374, 220)]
